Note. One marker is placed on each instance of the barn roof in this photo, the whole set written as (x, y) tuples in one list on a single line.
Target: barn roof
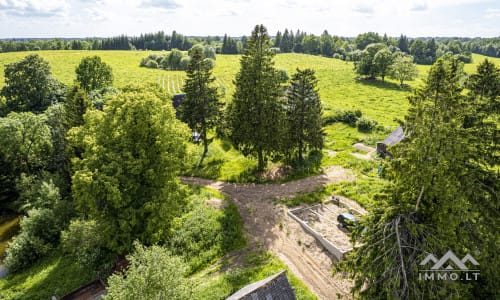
[(395, 137), (273, 287)]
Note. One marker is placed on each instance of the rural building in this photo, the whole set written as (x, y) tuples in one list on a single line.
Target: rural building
[(91, 291), (395, 137), (275, 287)]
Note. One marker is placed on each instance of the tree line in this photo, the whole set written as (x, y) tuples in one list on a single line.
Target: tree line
[(424, 50)]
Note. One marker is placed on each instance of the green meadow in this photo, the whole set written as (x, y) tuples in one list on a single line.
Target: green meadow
[(338, 88)]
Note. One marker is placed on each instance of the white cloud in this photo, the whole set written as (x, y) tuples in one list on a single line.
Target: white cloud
[(34, 8)]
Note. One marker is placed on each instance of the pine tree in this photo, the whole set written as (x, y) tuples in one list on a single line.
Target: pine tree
[(303, 111), (256, 117), (201, 107)]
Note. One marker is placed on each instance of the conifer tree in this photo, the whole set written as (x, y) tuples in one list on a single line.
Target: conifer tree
[(201, 107), (303, 111), (256, 116), (427, 208)]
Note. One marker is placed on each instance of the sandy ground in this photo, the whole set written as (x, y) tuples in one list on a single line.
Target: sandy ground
[(268, 225), (369, 151)]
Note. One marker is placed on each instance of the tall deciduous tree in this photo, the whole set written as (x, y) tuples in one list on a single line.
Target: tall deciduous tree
[(303, 111), (127, 177), (383, 60), (256, 117), (403, 69), (201, 107), (29, 85), (93, 74)]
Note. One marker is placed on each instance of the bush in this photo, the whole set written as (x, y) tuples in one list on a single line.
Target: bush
[(84, 240), (205, 234), (366, 125), (283, 75), (348, 116), (153, 274), (185, 62), (152, 64), (39, 234)]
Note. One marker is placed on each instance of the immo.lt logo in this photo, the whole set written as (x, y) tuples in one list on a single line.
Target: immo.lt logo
[(449, 267)]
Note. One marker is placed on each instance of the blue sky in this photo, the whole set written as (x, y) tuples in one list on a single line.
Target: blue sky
[(80, 18)]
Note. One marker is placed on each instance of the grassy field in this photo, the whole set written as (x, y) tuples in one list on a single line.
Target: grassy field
[(381, 101)]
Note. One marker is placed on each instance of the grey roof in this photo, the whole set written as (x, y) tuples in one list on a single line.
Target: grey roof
[(273, 287), (395, 137)]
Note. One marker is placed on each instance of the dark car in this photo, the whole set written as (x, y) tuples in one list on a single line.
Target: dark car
[(346, 220)]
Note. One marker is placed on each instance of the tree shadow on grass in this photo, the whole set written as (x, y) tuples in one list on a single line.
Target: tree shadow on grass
[(59, 275), (210, 169), (386, 85)]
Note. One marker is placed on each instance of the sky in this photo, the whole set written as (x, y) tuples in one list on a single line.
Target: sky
[(104, 18)]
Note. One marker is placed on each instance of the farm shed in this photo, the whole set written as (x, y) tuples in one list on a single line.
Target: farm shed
[(91, 291), (395, 137), (273, 287)]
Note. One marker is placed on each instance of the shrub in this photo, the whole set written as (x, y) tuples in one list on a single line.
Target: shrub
[(366, 125), (204, 234), (185, 62), (84, 240), (153, 274), (152, 64), (39, 234), (283, 75)]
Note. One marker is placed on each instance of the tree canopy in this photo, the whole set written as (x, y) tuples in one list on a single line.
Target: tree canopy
[(29, 85), (93, 74), (126, 179)]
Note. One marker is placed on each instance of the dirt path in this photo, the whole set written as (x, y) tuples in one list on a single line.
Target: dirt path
[(369, 151), (269, 226)]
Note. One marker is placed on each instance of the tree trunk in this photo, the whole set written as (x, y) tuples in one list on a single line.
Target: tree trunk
[(261, 163), (203, 136)]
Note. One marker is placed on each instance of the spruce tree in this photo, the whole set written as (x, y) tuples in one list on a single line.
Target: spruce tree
[(426, 209), (303, 111), (201, 107), (256, 115)]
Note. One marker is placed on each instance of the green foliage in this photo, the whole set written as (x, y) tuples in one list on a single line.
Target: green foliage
[(365, 39), (201, 108), (366, 125), (383, 61), (27, 141), (75, 106), (347, 116), (256, 118), (84, 240), (153, 273), (303, 111), (39, 235), (173, 59), (436, 201), (93, 74), (126, 179), (151, 64), (366, 64), (283, 76), (205, 234), (56, 274), (403, 69), (30, 86), (256, 266)]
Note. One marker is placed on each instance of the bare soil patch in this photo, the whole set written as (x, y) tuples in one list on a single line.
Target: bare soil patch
[(269, 227)]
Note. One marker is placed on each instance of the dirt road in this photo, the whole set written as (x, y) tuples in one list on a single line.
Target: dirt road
[(268, 225)]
